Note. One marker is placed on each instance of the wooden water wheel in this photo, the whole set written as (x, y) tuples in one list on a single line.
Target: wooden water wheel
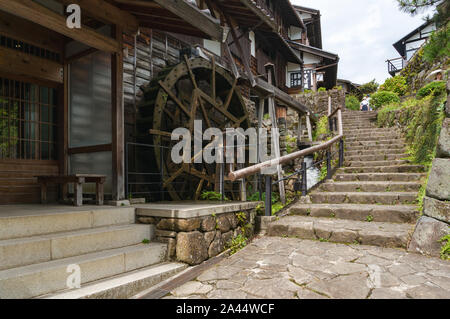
[(196, 89)]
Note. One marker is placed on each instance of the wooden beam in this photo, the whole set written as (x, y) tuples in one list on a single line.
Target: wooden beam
[(118, 130), (106, 12), (23, 64), (267, 20), (39, 14), (192, 15)]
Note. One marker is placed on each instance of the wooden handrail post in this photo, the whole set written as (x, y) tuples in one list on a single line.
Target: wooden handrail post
[(268, 201)]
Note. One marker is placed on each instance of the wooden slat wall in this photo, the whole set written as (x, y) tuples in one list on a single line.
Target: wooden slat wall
[(18, 184), (154, 51)]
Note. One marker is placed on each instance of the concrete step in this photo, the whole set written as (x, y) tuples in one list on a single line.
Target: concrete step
[(374, 133), (383, 198), (383, 152), (52, 276), (375, 177), (376, 213), (36, 249), (332, 186), (384, 169), (343, 231), (123, 286), (373, 157), (21, 221)]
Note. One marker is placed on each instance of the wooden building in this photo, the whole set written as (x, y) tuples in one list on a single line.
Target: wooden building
[(319, 66), (69, 98)]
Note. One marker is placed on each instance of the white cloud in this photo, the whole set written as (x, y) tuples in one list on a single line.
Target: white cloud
[(362, 33)]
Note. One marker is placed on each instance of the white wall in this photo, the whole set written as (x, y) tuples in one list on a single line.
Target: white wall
[(311, 59), (251, 36), (213, 46), (295, 33)]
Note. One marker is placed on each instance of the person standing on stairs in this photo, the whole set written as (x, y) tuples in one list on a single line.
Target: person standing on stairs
[(364, 106)]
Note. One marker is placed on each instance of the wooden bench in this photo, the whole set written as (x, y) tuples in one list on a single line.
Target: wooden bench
[(78, 180)]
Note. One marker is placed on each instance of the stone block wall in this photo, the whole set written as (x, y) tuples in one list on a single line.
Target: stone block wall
[(435, 222), (317, 102), (197, 239)]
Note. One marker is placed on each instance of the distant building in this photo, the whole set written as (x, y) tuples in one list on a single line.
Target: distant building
[(319, 67), (409, 45), (348, 86)]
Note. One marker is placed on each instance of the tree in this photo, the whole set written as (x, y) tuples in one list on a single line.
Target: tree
[(413, 7), (369, 88)]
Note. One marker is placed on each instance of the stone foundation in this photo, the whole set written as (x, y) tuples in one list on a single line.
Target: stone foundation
[(194, 240)]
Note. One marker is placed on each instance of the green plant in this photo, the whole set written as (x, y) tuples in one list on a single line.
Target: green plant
[(323, 172), (382, 98), (352, 102), (237, 243), (242, 217), (434, 88), (396, 84), (212, 196), (438, 45), (322, 128), (146, 241), (277, 207), (369, 218), (369, 88), (266, 116), (445, 250), (322, 89), (323, 240)]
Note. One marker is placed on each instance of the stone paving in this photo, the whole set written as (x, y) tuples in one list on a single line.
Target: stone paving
[(288, 268)]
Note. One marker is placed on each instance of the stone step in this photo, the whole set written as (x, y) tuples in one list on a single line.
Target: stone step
[(359, 122), (384, 169), (384, 198), (374, 134), (123, 286), (36, 249), (350, 128), (400, 142), (50, 277), (367, 130), (390, 235), (379, 152), (375, 148), (372, 138), (374, 177), (376, 213), (372, 157), (17, 223), (332, 186), (375, 163)]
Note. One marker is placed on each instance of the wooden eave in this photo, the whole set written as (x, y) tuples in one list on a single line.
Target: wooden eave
[(173, 16)]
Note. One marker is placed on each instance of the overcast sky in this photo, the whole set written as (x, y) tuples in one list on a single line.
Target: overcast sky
[(362, 32)]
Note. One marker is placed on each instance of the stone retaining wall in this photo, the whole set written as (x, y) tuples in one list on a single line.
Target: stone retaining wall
[(195, 240), (435, 222)]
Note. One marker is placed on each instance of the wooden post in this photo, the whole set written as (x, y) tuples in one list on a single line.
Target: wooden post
[(300, 128), (100, 194), (276, 141), (44, 193), (118, 142), (308, 125), (78, 193)]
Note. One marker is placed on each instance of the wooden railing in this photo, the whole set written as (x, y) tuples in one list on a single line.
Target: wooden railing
[(302, 173)]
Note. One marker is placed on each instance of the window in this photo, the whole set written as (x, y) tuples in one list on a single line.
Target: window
[(27, 121)]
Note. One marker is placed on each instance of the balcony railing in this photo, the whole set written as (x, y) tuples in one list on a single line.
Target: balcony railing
[(396, 65)]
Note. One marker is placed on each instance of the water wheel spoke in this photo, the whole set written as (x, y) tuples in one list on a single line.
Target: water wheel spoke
[(174, 176), (160, 133), (192, 171), (191, 74), (174, 98), (230, 95), (205, 113), (218, 107)]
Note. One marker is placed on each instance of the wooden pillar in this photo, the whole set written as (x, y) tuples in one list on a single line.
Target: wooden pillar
[(300, 128), (308, 125), (118, 142)]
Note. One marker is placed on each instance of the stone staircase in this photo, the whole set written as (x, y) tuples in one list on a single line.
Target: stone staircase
[(370, 201), (37, 246)]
